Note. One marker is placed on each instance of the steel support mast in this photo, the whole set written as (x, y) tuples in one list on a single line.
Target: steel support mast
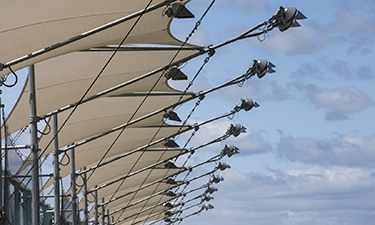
[(34, 147)]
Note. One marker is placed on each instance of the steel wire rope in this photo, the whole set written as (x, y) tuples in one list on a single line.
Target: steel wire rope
[(212, 159), (189, 85), (187, 88), (86, 92), (183, 197), (4, 78), (144, 101), (160, 158), (183, 180), (193, 133), (210, 54), (188, 173), (180, 128)]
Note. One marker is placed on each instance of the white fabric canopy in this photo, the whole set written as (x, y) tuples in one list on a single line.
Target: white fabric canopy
[(113, 171), (29, 26), (130, 210), (87, 155), (133, 211), (64, 74), (109, 193), (103, 114), (63, 80)]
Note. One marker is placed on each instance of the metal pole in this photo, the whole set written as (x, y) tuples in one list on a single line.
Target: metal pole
[(1, 163), (34, 147), (103, 212), (6, 176), (85, 202), (73, 186), (27, 220), (96, 216), (108, 221), (56, 171), (17, 201)]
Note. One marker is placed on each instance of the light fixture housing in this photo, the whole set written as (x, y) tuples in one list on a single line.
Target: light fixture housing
[(236, 129), (170, 193), (171, 144), (216, 178), (222, 166), (287, 17), (210, 189), (175, 73), (206, 197), (262, 67), (172, 116), (170, 165), (171, 204), (171, 212), (246, 104), (171, 181), (178, 10), (229, 150), (207, 206)]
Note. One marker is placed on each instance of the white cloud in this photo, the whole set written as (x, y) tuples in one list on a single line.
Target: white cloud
[(338, 195), (350, 21), (334, 116), (260, 90), (249, 143), (345, 99), (294, 41), (347, 150), (245, 5)]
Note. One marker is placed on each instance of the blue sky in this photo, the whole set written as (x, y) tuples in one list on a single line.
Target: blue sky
[(308, 155)]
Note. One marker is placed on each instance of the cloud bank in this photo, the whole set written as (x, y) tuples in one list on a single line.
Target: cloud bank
[(346, 150)]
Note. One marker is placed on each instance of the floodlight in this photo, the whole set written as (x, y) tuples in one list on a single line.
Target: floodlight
[(171, 144), (178, 10), (261, 67), (206, 197), (284, 18), (236, 129), (207, 206), (169, 220), (171, 181), (211, 189), (171, 212), (175, 74), (172, 116), (170, 193), (216, 178), (246, 104), (222, 166), (229, 150), (170, 165), (171, 204)]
